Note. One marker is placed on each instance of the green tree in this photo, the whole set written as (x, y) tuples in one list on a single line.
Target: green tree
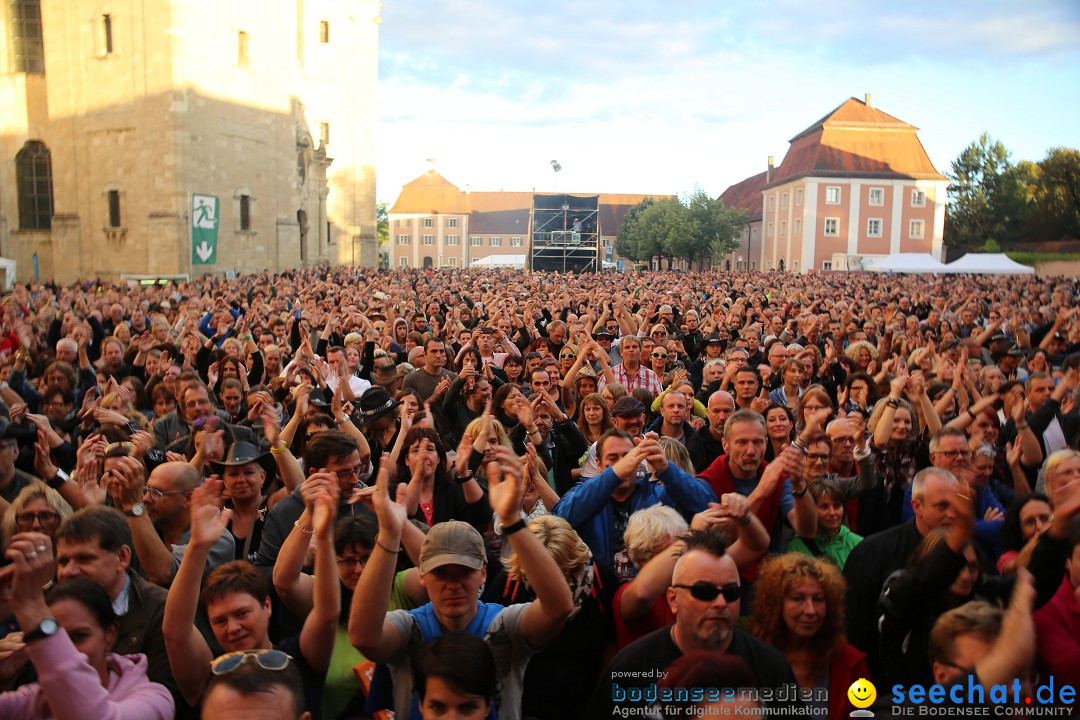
[(1057, 195), (382, 224), (695, 228), (711, 229), (989, 197)]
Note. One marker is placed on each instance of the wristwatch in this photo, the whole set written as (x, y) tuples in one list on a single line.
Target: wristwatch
[(136, 510), (45, 629), (58, 479)]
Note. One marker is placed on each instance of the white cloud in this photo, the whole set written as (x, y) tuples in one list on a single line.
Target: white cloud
[(640, 97)]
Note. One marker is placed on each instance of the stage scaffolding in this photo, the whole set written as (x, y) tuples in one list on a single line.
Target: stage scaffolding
[(565, 233)]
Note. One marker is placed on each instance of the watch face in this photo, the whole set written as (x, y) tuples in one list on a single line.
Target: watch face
[(138, 509), (49, 626)]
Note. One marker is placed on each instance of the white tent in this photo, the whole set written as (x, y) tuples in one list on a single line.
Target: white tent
[(988, 264), (907, 263), (511, 261)]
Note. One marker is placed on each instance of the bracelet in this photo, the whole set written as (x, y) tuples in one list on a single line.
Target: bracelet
[(386, 549), (307, 531), (279, 450), (1022, 428), (798, 445), (801, 493), (970, 413), (511, 529), (462, 479), (893, 403)]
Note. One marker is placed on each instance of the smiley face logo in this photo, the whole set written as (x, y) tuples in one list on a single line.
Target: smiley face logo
[(862, 693)]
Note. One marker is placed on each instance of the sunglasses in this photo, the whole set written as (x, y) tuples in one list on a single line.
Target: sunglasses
[(266, 659), (660, 355), (568, 357), (708, 593), (659, 333)]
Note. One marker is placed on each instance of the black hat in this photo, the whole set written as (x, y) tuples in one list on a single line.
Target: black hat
[(628, 405), (602, 334), (242, 452), (1000, 337), (714, 339), (373, 404), (317, 398), (1016, 351)]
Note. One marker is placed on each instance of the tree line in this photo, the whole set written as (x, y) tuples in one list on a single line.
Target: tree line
[(995, 203), (695, 228)]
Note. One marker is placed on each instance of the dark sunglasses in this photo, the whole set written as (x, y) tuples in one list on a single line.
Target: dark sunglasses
[(708, 593), (660, 355), (568, 357), (266, 659)]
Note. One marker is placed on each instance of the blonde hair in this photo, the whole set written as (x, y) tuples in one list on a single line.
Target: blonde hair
[(561, 540), (33, 491), (1056, 460), (474, 429), (127, 409), (677, 453), (852, 351), (648, 528)]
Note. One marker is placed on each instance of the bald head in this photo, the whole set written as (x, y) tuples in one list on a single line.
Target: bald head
[(178, 475), (721, 406)]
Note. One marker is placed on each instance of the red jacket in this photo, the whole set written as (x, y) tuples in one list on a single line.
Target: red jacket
[(848, 666), (1057, 630), (718, 475)]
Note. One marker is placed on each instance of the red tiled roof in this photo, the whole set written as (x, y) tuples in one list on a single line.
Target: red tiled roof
[(746, 195), (430, 194), (855, 140)]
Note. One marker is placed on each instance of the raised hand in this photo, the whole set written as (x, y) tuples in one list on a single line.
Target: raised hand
[(506, 484), (43, 464), (208, 521), (390, 512)]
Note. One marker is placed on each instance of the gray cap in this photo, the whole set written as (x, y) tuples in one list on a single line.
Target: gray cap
[(452, 543)]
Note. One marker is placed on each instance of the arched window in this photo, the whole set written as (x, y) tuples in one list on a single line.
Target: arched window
[(33, 176)]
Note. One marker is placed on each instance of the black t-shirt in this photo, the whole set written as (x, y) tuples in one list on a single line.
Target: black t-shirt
[(622, 519), (639, 664), (313, 681), (571, 661)]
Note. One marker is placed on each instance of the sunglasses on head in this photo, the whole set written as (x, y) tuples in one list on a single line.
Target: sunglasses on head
[(266, 659), (707, 593)]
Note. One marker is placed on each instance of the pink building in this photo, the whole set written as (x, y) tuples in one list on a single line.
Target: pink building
[(856, 182)]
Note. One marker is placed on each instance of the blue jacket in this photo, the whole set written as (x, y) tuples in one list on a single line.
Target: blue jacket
[(587, 506)]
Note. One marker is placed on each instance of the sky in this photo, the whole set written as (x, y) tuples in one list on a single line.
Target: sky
[(649, 97)]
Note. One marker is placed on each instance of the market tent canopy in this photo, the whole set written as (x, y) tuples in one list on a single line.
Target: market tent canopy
[(988, 264), (511, 261), (907, 263)]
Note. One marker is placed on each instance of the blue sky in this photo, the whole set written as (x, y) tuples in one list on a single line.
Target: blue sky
[(638, 96)]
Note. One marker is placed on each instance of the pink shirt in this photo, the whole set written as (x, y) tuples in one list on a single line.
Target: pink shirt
[(69, 689)]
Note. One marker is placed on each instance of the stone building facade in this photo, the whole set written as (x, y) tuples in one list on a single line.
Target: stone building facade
[(113, 114)]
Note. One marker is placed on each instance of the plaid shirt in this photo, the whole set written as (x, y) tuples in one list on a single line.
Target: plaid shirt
[(645, 378)]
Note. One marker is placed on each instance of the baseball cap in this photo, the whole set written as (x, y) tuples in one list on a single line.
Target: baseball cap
[(452, 543), (628, 405)]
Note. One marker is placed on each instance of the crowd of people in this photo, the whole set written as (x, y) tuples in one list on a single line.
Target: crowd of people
[(349, 493)]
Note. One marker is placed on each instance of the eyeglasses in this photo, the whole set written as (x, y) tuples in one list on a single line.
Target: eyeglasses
[(955, 453), (43, 517), (659, 333), (844, 441), (347, 563), (707, 593), (568, 357), (349, 473), (156, 494), (662, 356), (266, 659), (818, 457)]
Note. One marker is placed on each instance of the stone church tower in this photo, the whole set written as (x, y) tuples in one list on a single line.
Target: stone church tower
[(113, 114)]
